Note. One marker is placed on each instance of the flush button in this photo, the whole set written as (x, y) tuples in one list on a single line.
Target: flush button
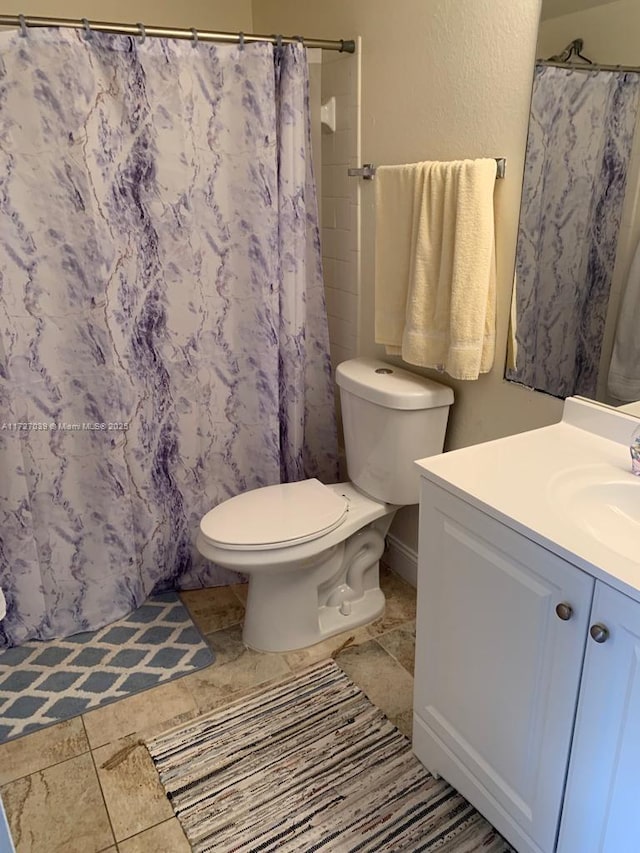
[(383, 370)]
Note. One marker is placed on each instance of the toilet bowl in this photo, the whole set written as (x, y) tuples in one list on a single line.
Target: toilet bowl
[(312, 551)]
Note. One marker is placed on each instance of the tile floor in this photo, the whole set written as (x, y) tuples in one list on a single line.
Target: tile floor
[(88, 785)]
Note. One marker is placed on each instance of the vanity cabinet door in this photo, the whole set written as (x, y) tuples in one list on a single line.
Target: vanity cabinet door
[(602, 803), (497, 669)]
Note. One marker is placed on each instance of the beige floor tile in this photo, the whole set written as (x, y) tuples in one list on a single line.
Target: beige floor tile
[(41, 749), (241, 590), (148, 712), (132, 791), (404, 722), (327, 648), (400, 606), (214, 608), (401, 643), (236, 670), (166, 837), (387, 684), (58, 810)]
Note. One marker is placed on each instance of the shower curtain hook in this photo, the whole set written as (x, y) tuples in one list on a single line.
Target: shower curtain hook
[(279, 41), (194, 35), (88, 33), (143, 32), (241, 40), (23, 26)]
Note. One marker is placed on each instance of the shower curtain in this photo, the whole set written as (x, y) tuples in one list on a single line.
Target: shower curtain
[(580, 136), (163, 339)]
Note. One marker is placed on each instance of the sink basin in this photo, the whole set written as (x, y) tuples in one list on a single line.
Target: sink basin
[(604, 502)]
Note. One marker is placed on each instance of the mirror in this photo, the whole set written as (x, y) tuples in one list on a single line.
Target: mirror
[(575, 320)]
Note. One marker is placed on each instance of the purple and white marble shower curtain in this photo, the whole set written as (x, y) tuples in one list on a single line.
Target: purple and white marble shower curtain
[(161, 276), (581, 131)]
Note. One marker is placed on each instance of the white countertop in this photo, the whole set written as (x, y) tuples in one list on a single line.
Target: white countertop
[(521, 481)]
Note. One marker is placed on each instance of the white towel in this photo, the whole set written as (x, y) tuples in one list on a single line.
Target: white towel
[(3, 606), (435, 260), (624, 369)]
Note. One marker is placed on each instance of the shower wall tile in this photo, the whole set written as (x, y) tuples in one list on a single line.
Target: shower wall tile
[(343, 331), (344, 275), (329, 212), (341, 303), (343, 215), (339, 354), (337, 242), (341, 204), (345, 145)]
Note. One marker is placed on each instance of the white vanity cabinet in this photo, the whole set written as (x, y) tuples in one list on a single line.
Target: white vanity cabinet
[(497, 670), (526, 667), (601, 811)]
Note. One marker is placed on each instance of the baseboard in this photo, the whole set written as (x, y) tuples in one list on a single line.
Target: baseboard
[(402, 559)]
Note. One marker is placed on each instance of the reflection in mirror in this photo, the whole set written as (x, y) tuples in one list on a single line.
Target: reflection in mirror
[(576, 303)]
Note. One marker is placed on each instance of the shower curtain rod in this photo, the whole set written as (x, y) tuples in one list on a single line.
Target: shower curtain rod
[(26, 21), (592, 66)]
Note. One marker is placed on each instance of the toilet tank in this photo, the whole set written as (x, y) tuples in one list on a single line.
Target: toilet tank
[(390, 418)]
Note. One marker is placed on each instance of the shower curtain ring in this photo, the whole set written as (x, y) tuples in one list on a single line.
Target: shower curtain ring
[(194, 35), (241, 40), (143, 32), (23, 26), (279, 41), (88, 32)]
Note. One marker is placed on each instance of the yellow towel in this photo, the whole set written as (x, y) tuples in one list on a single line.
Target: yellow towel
[(435, 232), (398, 191)]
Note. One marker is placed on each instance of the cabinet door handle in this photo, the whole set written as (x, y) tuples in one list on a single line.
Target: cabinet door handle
[(564, 611), (599, 633)]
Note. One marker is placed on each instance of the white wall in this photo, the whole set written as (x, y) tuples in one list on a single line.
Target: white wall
[(610, 32), (443, 80), (221, 15)]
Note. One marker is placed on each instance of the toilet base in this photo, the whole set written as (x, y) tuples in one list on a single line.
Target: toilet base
[(330, 622), (370, 607), (336, 591)]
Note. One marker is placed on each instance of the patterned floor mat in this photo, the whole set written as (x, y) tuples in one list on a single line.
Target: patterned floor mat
[(42, 683)]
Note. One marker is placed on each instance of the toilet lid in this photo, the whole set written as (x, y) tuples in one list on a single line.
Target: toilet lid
[(275, 516)]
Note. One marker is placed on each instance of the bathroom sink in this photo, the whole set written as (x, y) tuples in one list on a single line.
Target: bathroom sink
[(604, 502)]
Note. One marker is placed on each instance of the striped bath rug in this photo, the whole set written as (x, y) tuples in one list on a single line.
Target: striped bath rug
[(42, 683), (310, 765)]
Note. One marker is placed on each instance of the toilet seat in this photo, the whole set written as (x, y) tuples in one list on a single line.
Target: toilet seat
[(275, 516)]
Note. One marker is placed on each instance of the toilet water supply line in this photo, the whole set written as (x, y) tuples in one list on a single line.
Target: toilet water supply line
[(360, 553)]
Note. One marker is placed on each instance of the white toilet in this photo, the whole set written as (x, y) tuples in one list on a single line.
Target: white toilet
[(312, 551)]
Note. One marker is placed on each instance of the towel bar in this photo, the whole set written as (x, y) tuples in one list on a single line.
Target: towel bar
[(368, 171)]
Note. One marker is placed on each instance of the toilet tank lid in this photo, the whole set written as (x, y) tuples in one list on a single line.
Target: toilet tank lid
[(390, 386)]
